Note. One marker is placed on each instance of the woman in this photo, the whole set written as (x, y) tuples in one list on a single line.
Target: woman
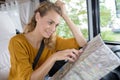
[(24, 47)]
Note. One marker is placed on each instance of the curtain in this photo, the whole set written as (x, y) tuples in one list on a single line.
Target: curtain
[(26, 10), (12, 10), (9, 22)]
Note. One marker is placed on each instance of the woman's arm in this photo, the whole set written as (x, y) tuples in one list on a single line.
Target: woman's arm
[(42, 71), (70, 54), (76, 32)]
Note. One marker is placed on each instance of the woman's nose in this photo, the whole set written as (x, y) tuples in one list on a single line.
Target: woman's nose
[(53, 28)]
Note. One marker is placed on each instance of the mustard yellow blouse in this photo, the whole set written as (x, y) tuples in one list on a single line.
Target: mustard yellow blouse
[(22, 55)]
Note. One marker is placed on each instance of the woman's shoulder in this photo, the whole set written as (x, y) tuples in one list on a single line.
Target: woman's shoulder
[(18, 37), (58, 38)]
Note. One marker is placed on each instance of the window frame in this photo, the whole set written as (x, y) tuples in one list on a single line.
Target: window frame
[(95, 25)]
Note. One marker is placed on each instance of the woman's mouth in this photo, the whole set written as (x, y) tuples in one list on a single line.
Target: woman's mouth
[(49, 33)]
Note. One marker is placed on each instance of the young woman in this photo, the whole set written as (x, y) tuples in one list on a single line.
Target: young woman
[(24, 47)]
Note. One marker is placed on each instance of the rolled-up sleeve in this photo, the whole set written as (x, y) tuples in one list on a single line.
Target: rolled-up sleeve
[(62, 43)]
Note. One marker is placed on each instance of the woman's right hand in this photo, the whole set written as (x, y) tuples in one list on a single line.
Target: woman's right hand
[(70, 54)]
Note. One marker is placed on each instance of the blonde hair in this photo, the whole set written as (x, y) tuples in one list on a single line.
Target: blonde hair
[(43, 8)]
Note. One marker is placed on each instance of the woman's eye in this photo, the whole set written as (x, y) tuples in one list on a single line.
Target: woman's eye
[(50, 23)]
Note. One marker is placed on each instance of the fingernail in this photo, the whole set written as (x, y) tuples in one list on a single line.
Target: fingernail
[(66, 60)]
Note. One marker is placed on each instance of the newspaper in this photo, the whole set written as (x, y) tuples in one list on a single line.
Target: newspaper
[(95, 62)]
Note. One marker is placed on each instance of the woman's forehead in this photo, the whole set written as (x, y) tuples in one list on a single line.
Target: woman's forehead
[(52, 15)]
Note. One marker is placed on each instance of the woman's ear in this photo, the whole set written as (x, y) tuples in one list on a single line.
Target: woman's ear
[(37, 16)]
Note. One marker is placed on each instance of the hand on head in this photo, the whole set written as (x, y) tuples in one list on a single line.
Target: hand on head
[(61, 5)]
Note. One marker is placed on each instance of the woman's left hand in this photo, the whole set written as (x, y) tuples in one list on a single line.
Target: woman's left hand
[(62, 6)]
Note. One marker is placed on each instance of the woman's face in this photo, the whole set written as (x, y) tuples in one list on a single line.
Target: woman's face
[(47, 24)]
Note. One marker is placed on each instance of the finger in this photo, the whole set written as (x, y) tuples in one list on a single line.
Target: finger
[(73, 56), (76, 52), (59, 3), (80, 51), (70, 59), (77, 57)]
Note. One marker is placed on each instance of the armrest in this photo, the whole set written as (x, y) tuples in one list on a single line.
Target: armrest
[(116, 50)]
